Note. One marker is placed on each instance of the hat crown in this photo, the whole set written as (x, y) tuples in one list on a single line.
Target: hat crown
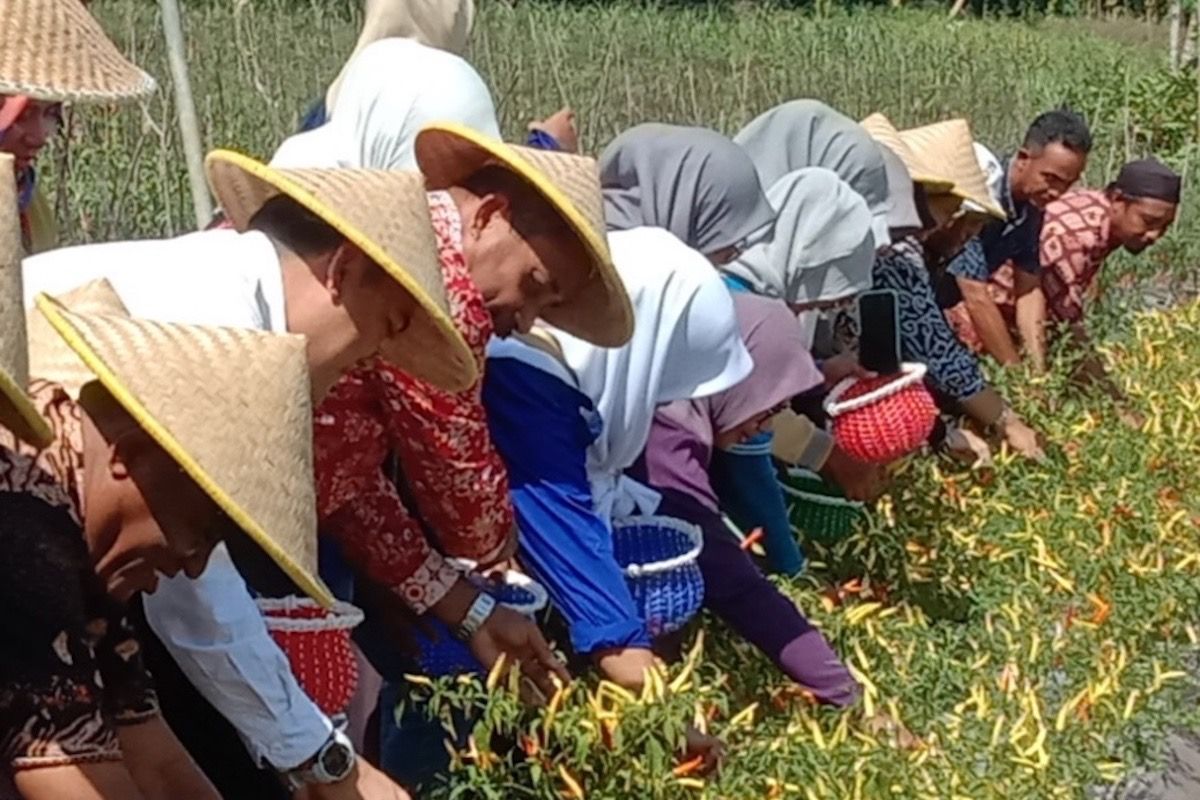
[(947, 148), (56, 50), (232, 406), (50, 358)]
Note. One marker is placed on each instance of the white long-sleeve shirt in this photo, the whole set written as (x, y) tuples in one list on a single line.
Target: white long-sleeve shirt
[(211, 626)]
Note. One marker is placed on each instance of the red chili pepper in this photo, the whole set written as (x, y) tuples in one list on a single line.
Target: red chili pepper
[(755, 536)]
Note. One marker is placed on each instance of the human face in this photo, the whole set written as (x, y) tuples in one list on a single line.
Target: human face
[(37, 122), (1042, 176), (520, 276), (1138, 222), (368, 308), (746, 430), (144, 516)]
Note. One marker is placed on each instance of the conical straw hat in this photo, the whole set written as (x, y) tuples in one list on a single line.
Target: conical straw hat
[(17, 413), (386, 214), (449, 153), (50, 357), (55, 50), (884, 132), (242, 430), (948, 149)]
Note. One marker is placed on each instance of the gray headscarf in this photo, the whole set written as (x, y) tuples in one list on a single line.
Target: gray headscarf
[(694, 182), (808, 133), (823, 248)]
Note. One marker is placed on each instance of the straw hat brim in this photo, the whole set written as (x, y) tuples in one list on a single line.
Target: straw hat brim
[(432, 348), (950, 143), (18, 414), (55, 50), (310, 584), (448, 153)]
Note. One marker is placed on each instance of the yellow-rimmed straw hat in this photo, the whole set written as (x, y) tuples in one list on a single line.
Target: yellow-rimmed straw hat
[(884, 132), (17, 412), (243, 432), (385, 213), (600, 313), (50, 358), (55, 50), (948, 149)]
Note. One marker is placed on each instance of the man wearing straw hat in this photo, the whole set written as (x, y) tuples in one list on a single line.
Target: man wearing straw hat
[(1050, 160), (939, 171), (144, 475), (313, 253)]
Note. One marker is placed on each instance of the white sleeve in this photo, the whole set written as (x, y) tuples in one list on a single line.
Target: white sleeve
[(216, 634)]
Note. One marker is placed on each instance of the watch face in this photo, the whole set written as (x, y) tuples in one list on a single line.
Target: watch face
[(337, 760)]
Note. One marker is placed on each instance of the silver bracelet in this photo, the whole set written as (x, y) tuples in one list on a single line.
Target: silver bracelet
[(482, 608)]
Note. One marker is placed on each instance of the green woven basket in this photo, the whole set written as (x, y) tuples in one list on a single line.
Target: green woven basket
[(818, 510)]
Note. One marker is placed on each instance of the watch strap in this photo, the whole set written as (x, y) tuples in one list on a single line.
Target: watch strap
[(481, 608)]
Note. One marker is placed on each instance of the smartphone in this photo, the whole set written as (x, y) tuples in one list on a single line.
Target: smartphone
[(879, 331)]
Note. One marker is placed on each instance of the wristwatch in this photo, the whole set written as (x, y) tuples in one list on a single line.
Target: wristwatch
[(1001, 422), (482, 608), (333, 763)]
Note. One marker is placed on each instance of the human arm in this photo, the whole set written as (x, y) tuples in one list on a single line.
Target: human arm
[(159, 765), (748, 490), (1031, 317), (215, 632), (555, 132), (988, 321), (564, 543)]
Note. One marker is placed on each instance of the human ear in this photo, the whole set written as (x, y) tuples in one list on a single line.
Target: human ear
[(118, 470), (338, 268)]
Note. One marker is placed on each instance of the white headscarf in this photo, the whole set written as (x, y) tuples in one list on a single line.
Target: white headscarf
[(686, 344), (444, 24), (393, 88), (823, 248)]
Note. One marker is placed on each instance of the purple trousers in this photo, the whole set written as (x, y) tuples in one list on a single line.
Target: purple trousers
[(737, 592)]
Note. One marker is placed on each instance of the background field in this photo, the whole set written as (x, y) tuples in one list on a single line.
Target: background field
[(1036, 625)]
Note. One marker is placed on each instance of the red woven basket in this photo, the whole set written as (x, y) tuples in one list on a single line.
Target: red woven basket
[(317, 643), (879, 420)]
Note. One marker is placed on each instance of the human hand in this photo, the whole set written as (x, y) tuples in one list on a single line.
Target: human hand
[(708, 749), (841, 366), (364, 783), (859, 480), (560, 125), (520, 641), (1022, 438)]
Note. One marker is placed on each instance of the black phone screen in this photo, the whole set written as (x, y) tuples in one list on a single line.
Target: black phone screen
[(879, 332)]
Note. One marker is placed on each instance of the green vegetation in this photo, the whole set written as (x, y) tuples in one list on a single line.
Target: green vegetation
[(1031, 627)]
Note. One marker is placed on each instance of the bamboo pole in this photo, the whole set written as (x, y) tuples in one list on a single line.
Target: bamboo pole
[(1176, 15), (189, 129)]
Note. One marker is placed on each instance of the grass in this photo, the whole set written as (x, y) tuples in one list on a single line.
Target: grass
[(989, 642)]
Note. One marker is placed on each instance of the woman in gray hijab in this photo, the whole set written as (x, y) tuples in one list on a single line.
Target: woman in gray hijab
[(694, 182), (808, 133)]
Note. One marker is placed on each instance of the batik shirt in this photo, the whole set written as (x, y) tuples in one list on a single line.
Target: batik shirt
[(456, 478), (71, 668)]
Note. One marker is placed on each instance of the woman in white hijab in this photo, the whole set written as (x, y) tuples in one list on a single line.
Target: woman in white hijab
[(570, 417), (808, 133), (391, 89)]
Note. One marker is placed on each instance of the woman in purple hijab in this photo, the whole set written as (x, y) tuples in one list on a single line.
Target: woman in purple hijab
[(676, 463)]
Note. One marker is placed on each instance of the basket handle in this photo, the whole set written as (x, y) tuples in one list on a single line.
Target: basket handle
[(692, 532), (910, 374)]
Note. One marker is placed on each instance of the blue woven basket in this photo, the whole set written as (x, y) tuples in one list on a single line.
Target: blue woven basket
[(818, 510), (444, 654), (658, 556)]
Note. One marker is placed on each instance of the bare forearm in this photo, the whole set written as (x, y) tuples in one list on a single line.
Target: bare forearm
[(160, 766), (990, 324), (1031, 322), (625, 666)]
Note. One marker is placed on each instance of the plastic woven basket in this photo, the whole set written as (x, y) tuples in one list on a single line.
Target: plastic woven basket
[(658, 556), (878, 420), (444, 654), (816, 509), (317, 644)]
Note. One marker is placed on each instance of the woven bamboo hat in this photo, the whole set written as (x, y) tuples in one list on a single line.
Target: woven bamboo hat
[(243, 433), (884, 132), (948, 149), (449, 153), (55, 50), (17, 413), (50, 357), (386, 214)]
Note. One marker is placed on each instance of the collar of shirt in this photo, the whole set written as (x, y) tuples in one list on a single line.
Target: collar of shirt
[(217, 277), (1016, 211)]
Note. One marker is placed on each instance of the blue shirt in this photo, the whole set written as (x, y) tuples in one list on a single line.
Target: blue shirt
[(542, 428)]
